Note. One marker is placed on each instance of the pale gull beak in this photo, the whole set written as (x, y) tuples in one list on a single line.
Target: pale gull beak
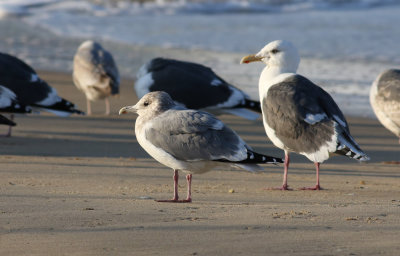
[(250, 58), (131, 109)]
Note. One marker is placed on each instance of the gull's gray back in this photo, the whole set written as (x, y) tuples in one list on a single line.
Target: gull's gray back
[(191, 135)]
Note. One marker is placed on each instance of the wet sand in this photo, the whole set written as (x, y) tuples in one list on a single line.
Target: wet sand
[(83, 186)]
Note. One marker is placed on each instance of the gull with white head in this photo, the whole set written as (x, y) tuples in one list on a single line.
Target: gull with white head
[(189, 140), (298, 115)]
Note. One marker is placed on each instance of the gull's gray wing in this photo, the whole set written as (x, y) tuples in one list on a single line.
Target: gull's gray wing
[(191, 135), (305, 117), (109, 68)]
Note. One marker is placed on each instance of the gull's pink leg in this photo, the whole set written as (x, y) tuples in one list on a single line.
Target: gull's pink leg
[(317, 186), (176, 178), (285, 174), (88, 107), (107, 101), (8, 134), (176, 197), (189, 188)]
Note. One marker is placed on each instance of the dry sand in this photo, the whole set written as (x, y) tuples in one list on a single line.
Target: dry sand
[(83, 186)]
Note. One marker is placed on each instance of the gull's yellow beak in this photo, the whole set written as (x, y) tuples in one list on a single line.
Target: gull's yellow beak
[(250, 58)]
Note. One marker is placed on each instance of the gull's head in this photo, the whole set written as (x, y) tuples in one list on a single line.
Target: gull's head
[(89, 45), (282, 54), (151, 104)]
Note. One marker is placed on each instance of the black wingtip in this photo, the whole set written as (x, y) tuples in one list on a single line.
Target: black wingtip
[(251, 105), (345, 151), (63, 106), (256, 158), (348, 147), (78, 112), (4, 120)]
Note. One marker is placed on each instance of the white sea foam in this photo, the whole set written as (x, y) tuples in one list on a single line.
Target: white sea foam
[(112, 7)]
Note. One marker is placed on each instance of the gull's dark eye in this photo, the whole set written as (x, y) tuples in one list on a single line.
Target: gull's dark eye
[(274, 51), (146, 103)]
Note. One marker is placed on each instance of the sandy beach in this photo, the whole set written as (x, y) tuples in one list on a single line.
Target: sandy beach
[(83, 186)]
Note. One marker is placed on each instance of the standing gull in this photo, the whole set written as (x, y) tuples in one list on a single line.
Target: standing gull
[(95, 73), (385, 100), (298, 115), (194, 86), (189, 140)]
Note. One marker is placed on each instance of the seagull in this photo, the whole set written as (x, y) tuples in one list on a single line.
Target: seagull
[(194, 86), (192, 141), (298, 115), (29, 89), (385, 100), (95, 73), (10, 104)]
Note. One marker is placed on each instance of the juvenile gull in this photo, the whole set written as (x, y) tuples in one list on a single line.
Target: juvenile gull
[(298, 115), (189, 140), (95, 74), (385, 100), (194, 86)]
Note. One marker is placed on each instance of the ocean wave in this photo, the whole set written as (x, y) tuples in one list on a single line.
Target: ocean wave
[(170, 7)]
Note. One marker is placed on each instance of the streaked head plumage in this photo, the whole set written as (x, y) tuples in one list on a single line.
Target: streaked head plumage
[(151, 104)]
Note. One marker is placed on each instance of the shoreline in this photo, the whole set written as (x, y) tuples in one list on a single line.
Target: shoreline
[(348, 81)]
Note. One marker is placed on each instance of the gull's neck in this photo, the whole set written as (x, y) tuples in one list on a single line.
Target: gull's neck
[(272, 75)]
